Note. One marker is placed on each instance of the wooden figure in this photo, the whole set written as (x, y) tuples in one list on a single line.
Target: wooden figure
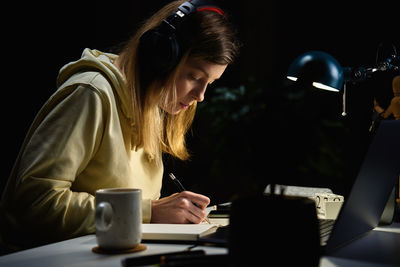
[(394, 107)]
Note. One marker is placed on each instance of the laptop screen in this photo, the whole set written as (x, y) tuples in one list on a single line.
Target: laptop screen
[(370, 192)]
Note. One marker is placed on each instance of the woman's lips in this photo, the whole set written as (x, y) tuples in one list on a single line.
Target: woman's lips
[(184, 106)]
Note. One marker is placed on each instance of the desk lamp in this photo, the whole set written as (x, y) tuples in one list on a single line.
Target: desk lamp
[(321, 70)]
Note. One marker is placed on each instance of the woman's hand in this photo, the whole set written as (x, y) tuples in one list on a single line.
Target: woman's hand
[(184, 207)]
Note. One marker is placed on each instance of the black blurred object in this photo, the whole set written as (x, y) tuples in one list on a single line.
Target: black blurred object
[(219, 260), (182, 258), (375, 120), (274, 230), (161, 258)]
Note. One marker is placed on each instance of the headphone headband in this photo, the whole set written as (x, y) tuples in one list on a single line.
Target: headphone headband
[(211, 8)]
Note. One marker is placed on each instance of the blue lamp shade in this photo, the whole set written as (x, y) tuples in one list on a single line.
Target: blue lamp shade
[(318, 69)]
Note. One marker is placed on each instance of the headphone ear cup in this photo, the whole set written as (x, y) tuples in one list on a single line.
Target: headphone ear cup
[(158, 52)]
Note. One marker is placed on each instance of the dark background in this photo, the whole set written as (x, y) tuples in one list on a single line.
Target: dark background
[(254, 127)]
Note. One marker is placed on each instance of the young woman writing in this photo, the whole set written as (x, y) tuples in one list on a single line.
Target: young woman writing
[(109, 122)]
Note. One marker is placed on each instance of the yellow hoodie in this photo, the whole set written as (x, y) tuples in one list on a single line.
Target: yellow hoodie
[(80, 141)]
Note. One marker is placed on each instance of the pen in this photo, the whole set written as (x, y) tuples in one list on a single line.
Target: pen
[(181, 187), (177, 182)]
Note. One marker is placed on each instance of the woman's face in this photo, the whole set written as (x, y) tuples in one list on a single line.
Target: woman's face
[(192, 81)]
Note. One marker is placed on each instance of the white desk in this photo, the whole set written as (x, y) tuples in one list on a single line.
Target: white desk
[(78, 252), (380, 247)]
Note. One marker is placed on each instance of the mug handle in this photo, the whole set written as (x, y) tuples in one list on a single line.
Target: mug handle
[(103, 216)]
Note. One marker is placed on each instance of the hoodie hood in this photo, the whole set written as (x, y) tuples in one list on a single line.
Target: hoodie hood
[(94, 60)]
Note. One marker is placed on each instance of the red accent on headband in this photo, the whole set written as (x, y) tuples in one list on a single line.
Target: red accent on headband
[(214, 9)]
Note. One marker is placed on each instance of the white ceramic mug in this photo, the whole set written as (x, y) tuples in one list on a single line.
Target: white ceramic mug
[(118, 218)]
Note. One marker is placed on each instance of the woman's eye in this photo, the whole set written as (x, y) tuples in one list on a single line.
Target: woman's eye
[(194, 77)]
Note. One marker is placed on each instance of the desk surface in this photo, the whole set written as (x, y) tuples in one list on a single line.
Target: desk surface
[(380, 247), (78, 252)]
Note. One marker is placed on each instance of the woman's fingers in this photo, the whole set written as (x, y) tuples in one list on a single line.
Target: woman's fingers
[(184, 207), (200, 201)]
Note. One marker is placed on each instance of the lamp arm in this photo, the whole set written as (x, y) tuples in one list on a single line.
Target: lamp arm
[(358, 74), (392, 62)]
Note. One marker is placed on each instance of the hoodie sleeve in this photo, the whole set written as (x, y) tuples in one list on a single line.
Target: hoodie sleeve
[(58, 149)]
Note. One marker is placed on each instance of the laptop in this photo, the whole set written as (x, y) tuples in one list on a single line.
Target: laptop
[(363, 208)]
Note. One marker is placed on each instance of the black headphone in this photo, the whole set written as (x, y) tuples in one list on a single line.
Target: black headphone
[(159, 50)]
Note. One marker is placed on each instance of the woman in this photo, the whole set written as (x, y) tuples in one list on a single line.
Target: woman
[(108, 124)]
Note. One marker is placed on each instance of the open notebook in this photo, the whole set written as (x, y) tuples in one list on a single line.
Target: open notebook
[(179, 232), (182, 232)]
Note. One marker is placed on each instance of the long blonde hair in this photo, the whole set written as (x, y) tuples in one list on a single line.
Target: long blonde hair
[(213, 39)]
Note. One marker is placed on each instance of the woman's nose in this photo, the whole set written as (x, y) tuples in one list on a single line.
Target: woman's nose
[(199, 92)]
